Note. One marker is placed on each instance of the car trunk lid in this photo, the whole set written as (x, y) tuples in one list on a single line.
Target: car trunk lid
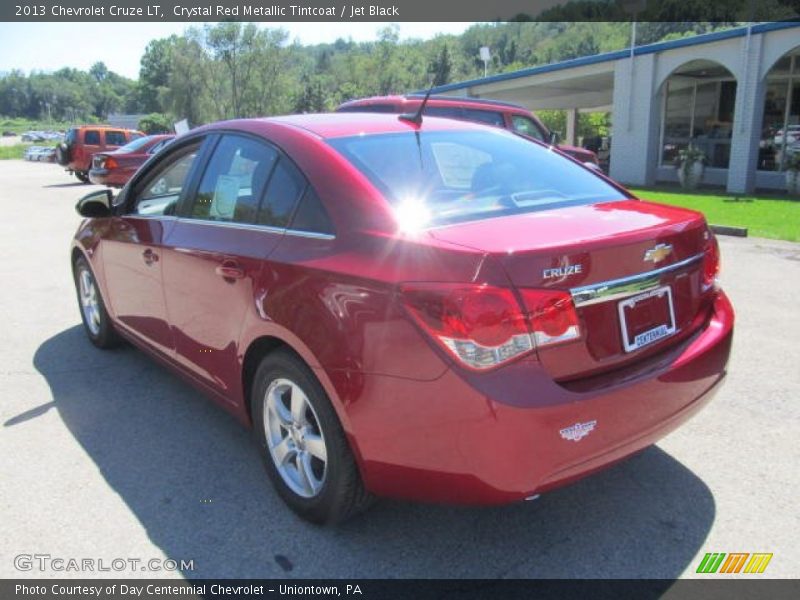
[(609, 256)]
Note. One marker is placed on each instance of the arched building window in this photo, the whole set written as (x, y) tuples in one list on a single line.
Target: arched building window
[(698, 109), (780, 128)]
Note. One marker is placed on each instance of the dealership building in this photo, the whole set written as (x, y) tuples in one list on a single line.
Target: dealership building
[(734, 94)]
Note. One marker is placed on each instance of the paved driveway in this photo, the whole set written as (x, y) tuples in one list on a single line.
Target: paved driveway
[(106, 455)]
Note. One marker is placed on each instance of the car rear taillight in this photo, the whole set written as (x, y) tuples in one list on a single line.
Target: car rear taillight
[(484, 326), (711, 262), (480, 325), (552, 316)]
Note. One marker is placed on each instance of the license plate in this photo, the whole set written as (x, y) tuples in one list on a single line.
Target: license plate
[(646, 318)]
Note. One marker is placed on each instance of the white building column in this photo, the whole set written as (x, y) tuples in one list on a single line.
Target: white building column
[(635, 129), (572, 127), (747, 119)]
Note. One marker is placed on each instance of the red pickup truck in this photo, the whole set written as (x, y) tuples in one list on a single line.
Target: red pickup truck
[(75, 152)]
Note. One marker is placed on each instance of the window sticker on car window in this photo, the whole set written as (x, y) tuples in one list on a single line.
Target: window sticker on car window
[(457, 163), (226, 193)]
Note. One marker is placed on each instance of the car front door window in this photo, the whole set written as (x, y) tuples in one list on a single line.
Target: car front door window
[(160, 192), (526, 126)]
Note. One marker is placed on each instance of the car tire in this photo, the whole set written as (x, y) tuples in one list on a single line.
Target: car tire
[(96, 322), (82, 176), (62, 154), (295, 424)]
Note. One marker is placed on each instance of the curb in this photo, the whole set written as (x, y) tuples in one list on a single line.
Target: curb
[(728, 230)]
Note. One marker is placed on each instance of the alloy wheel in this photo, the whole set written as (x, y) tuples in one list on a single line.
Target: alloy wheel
[(90, 303), (295, 439)]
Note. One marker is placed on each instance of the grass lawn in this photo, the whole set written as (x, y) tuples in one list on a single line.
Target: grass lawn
[(20, 125), (764, 216)]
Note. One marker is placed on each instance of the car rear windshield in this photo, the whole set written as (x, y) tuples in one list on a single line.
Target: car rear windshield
[(135, 144), (452, 176)]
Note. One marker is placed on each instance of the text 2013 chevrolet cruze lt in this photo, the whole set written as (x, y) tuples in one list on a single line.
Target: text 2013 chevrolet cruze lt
[(431, 310)]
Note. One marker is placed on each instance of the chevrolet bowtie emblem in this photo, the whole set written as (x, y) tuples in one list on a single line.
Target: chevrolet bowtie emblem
[(658, 253)]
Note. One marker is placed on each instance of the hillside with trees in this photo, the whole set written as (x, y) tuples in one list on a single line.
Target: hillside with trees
[(231, 70)]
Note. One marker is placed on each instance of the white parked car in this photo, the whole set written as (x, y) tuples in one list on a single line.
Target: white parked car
[(32, 152), (792, 135), (40, 154)]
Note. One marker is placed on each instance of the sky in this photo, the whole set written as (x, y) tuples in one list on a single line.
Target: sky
[(50, 46)]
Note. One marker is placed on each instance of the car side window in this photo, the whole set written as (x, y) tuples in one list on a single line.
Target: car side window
[(448, 112), (526, 126), (374, 108), (115, 138), (157, 146), (234, 181), (283, 191), (91, 138), (311, 215), (159, 193), (484, 116)]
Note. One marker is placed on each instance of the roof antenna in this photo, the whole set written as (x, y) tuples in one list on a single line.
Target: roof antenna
[(416, 117)]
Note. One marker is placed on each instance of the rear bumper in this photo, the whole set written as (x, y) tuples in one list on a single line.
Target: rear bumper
[(499, 439)]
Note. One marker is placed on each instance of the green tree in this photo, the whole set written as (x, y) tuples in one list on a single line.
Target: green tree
[(155, 123), (154, 72), (441, 66)]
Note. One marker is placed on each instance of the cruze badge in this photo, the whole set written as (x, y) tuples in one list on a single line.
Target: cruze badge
[(577, 432), (658, 253), (558, 272)]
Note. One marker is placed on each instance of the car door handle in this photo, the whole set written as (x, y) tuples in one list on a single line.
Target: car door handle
[(230, 270), (150, 257)]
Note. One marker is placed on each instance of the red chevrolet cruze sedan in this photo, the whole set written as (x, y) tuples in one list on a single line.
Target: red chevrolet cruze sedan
[(433, 310)]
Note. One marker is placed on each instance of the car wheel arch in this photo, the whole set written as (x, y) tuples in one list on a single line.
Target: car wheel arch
[(263, 345)]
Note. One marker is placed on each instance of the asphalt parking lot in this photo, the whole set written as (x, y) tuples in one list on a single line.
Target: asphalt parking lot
[(107, 455)]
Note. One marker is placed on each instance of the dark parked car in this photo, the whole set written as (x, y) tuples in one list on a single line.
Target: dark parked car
[(116, 167), (481, 110), (438, 311)]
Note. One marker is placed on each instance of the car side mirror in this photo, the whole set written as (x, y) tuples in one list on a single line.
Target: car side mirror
[(554, 138), (95, 205)]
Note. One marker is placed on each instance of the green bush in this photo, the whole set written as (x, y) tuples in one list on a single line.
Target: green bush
[(156, 123)]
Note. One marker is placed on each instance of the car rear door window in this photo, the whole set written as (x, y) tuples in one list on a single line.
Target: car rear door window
[(447, 112), (467, 114), (115, 138), (234, 181), (159, 193), (284, 189), (311, 215), (91, 138), (489, 117), (374, 108)]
